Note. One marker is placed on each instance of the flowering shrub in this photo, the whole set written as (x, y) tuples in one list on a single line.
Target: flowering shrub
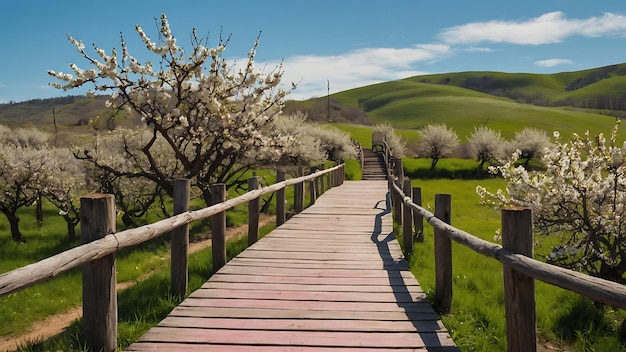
[(581, 197), (211, 116)]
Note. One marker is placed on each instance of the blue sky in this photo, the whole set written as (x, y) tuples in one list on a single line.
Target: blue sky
[(348, 43)]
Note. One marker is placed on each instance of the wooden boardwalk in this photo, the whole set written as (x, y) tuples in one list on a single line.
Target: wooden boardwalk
[(330, 278)]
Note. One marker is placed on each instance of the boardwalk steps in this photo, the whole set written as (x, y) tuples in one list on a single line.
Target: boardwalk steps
[(331, 278), (374, 166)]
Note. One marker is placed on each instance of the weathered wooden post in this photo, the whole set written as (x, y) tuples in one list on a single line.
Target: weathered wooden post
[(519, 289), (180, 240), (443, 256), (218, 227), (418, 219), (398, 173), (253, 212), (312, 188), (323, 189), (298, 193), (407, 224), (280, 199), (97, 219)]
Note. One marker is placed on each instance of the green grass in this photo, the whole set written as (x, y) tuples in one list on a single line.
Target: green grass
[(477, 321)]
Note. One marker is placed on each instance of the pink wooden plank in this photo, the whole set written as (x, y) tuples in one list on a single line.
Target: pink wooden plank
[(400, 296), (307, 305), (312, 280), (414, 288), (195, 347), (262, 313), (303, 272), (304, 324), (291, 338)]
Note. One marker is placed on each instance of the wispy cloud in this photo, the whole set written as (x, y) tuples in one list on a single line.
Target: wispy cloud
[(553, 62), (552, 27), (356, 68)]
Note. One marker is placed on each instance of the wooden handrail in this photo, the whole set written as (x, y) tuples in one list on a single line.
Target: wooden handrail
[(53, 266), (607, 292), (519, 268)]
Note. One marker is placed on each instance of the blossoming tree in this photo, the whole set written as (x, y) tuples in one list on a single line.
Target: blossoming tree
[(210, 114), (436, 141), (485, 145), (23, 172), (580, 197)]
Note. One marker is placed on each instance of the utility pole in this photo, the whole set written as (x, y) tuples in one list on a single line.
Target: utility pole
[(328, 100)]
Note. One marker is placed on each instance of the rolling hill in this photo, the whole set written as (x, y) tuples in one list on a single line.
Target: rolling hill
[(568, 102)]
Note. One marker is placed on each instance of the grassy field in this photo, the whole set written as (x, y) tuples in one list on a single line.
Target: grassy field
[(565, 320)]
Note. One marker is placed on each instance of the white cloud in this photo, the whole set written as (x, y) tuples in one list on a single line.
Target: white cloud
[(552, 27), (553, 62), (356, 68)]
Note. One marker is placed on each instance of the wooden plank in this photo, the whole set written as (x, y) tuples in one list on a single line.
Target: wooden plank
[(303, 324), (399, 296), (313, 264), (158, 347), (416, 307), (301, 272), (312, 280), (262, 313), (291, 338), (416, 288)]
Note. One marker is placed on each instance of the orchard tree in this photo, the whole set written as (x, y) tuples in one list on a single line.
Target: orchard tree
[(581, 197), (485, 145), (23, 171), (334, 143), (111, 170), (211, 115), (63, 187), (436, 142), (307, 150), (530, 142)]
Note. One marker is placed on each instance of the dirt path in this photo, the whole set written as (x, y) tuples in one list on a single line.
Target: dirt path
[(55, 324)]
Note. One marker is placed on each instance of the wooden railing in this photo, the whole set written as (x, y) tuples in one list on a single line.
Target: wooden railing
[(515, 254), (100, 243)]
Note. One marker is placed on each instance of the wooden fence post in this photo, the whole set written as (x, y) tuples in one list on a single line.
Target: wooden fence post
[(280, 199), (398, 173), (218, 227), (253, 212), (407, 224), (312, 188), (322, 188), (443, 256), (97, 219), (298, 193), (180, 240), (519, 289), (418, 219)]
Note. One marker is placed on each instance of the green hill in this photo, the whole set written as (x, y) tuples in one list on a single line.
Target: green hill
[(507, 102)]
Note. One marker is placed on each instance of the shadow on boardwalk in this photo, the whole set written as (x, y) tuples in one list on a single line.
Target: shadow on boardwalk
[(400, 285)]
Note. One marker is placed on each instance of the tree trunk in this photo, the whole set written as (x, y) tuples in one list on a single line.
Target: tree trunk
[(39, 211), (71, 228), (14, 222)]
